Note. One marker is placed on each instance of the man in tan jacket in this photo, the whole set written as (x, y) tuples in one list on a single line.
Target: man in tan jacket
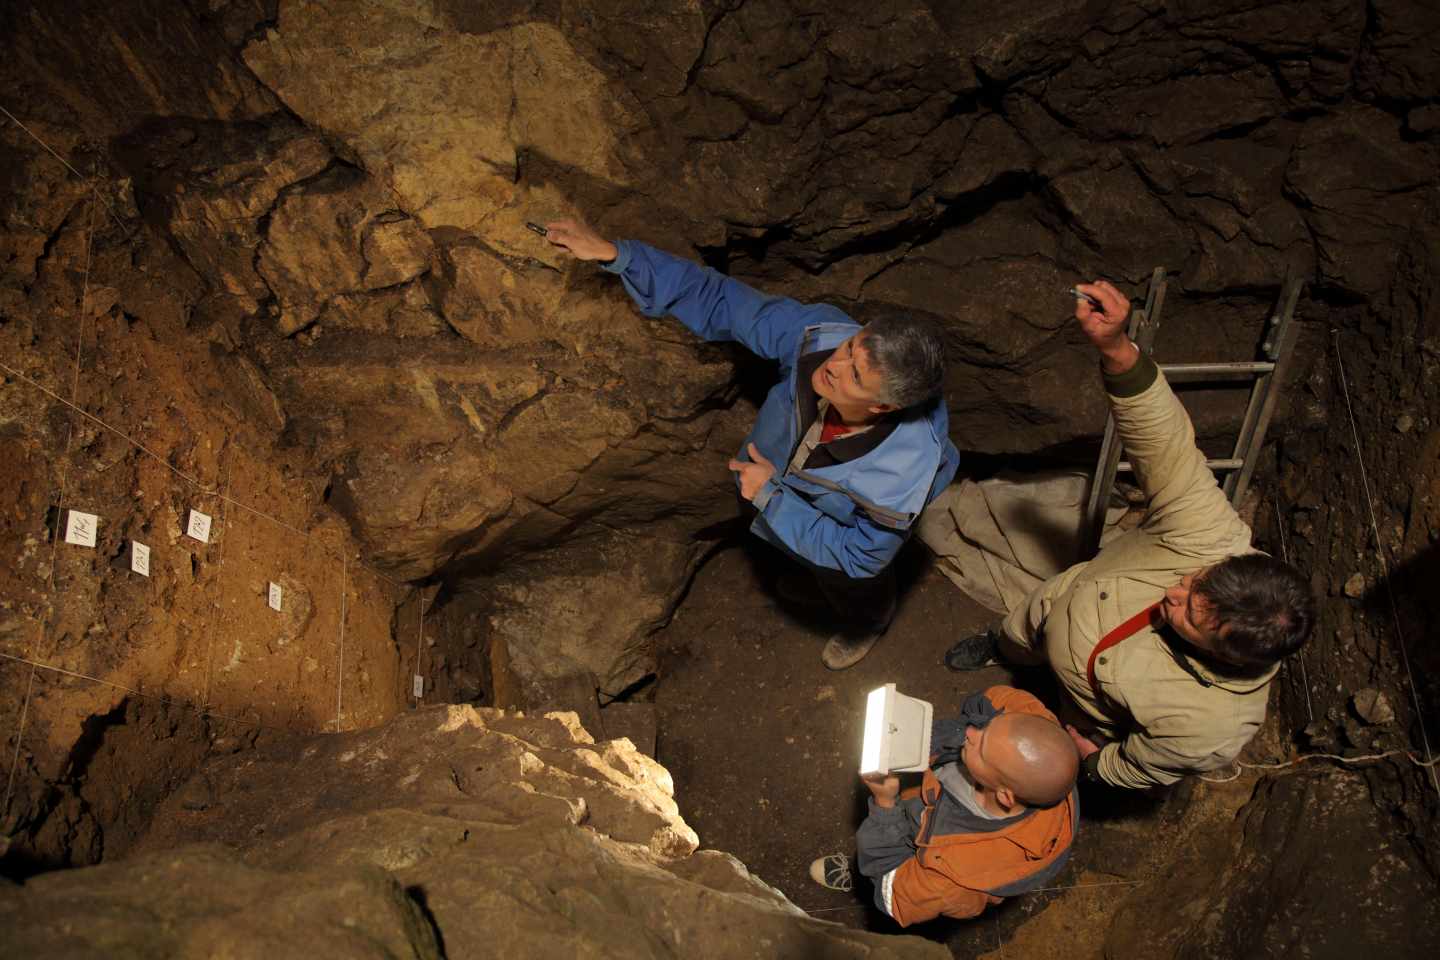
[(1167, 641)]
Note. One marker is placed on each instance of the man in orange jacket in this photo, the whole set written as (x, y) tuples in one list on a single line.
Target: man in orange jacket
[(994, 816)]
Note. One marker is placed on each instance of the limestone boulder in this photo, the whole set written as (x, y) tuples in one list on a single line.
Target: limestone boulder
[(99, 76), (1109, 207), (492, 302), (485, 832), (1231, 190), (1395, 63), (560, 619), (337, 234), (203, 902), (441, 113), (212, 185), (38, 195)]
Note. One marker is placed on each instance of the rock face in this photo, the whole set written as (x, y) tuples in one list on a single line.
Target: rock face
[(354, 205), (193, 903), (1278, 884), (448, 832), (112, 405), (1367, 681), (304, 294)]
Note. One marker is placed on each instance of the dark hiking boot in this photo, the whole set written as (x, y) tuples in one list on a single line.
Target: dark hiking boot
[(844, 650), (975, 652)]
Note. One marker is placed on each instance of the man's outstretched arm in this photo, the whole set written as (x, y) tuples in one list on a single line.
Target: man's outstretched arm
[(1184, 500), (714, 306)]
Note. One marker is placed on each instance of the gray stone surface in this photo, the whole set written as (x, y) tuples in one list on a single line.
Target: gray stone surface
[(483, 832), (1311, 867)]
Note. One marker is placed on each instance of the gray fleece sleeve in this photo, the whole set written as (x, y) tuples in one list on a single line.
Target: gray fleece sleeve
[(886, 839)]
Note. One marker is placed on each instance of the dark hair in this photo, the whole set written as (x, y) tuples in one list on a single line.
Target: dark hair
[(1264, 608), (910, 355)]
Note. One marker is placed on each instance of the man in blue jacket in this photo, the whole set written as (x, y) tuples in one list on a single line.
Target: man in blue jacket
[(850, 444)]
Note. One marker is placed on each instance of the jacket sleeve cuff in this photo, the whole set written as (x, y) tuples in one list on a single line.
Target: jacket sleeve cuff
[(892, 812), (622, 258), (1134, 381), (762, 496)]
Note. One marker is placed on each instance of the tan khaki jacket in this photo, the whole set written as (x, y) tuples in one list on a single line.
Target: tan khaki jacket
[(1167, 714)]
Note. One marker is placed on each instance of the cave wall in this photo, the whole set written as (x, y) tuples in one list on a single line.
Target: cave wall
[(117, 401), (1359, 501), (1327, 857), (349, 183), (305, 287), (963, 162)]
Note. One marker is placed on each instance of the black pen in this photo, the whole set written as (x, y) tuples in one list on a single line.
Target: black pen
[(1087, 298), (536, 228)]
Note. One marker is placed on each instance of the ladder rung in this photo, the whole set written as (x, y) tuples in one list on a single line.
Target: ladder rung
[(1250, 368), (1232, 464)]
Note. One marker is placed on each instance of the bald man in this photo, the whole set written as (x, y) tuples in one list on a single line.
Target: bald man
[(994, 816)]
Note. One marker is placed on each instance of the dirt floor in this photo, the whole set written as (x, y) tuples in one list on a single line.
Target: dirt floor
[(764, 742)]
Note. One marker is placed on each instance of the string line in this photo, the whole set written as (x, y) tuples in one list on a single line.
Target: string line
[(93, 189), (1241, 767), (19, 736), (201, 488), (37, 665), (1300, 654), (1385, 568)]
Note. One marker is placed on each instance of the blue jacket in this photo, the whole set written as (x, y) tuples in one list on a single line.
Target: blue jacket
[(852, 516)]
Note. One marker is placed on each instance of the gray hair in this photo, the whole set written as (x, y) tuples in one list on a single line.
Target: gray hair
[(910, 355)]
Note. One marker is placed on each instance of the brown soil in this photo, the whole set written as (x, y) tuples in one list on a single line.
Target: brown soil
[(116, 411)]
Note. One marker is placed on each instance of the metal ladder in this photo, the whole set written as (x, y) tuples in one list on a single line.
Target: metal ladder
[(1264, 377)]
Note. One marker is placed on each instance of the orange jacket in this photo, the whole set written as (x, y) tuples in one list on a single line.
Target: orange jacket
[(958, 874)]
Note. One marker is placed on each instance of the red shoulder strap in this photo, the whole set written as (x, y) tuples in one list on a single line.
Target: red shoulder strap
[(1127, 629)]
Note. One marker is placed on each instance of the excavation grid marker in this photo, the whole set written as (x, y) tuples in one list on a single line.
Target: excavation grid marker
[(81, 527), (340, 669), (202, 489), (419, 687)]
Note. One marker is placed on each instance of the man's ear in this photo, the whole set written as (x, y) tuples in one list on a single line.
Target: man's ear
[(878, 408), (1005, 797)]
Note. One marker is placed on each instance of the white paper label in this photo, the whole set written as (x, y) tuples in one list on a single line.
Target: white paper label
[(139, 558), (199, 526), (275, 595), (80, 528), (419, 686)]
